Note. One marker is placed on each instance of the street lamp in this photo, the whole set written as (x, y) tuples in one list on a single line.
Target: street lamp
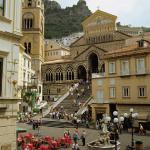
[(115, 114), (116, 120), (131, 116)]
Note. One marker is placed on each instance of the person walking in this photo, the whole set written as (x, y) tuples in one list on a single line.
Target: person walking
[(141, 130), (83, 137), (75, 136)]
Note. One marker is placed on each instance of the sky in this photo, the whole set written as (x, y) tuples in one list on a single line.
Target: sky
[(131, 12)]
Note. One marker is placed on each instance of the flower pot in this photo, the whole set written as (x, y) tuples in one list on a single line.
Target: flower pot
[(139, 145)]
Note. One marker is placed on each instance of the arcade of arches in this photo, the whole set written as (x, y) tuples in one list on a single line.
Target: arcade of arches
[(65, 74)]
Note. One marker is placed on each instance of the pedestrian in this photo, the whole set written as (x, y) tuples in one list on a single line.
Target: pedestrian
[(87, 123), (120, 128), (78, 95), (83, 137), (75, 136), (33, 125), (97, 124), (141, 130)]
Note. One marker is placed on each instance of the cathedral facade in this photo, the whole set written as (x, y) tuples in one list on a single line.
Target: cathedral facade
[(100, 36)]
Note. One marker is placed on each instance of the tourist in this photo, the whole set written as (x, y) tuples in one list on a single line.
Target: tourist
[(120, 127), (141, 130), (97, 124), (75, 136), (83, 137)]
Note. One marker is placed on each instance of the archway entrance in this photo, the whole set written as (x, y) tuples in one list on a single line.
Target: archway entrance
[(81, 72), (93, 63)]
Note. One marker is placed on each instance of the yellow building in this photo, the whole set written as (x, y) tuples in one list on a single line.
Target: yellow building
[(55, 50), (125, 83), (33, 35)]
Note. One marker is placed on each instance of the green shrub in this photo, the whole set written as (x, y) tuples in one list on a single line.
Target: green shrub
[(36, 110), (139, 142)]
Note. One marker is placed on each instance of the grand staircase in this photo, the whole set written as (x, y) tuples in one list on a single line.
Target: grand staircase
[(68, 103), (67, 100)]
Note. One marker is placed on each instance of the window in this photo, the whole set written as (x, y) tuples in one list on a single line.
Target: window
[(28, 64), (112, 92), (142, 92), (1, 75), (112, 67), (27, 47), (29, 3), (100, 96), (49, 76), (141, 43), (28, 77), (59, 75), (125, 92), (125, 67), (2, 5), (140, 66), (28, 21), (70, 74)]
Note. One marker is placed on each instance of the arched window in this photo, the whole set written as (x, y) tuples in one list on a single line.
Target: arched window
[(70, 74), (49, 76), (29, 3), (28, 21), (59, 75)]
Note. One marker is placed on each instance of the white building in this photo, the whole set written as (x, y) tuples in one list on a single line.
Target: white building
[(10, 48), (68, 40)]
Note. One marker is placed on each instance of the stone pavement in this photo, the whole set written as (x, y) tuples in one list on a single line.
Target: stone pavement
[(125, 138)]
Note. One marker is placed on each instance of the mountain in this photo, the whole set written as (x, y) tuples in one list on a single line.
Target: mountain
[(61, 22)]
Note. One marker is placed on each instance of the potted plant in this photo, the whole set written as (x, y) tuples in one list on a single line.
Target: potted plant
[(139, 145)]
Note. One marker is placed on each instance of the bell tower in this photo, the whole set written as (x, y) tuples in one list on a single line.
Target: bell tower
[(33, 33)]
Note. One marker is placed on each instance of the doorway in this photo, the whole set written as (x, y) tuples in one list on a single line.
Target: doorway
[(81, 73)]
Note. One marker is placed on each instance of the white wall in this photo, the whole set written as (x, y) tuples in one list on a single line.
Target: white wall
[(9, 46)]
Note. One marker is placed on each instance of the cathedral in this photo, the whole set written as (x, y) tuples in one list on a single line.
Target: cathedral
[(86, 53)]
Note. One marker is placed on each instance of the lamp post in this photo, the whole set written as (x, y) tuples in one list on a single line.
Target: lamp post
[(131, 116), (116, 120)]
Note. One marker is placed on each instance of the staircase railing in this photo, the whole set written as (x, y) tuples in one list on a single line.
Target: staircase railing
[(54, 105)]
